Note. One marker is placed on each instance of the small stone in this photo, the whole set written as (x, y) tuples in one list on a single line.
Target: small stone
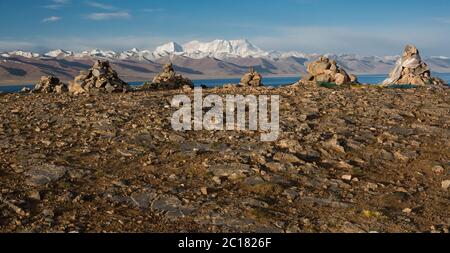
[(347, 177), (48, 213), (288, 143), (438, 169), (34, 195), (217, 180), (333, 143), (46, 142), (286, 158), (371, 186), (275, 167), (291, 193), (344, 165), (204, 190), (445, 184), (407, 210)]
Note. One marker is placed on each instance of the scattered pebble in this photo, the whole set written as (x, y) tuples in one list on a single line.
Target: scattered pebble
[(347, 177), (446, 184)]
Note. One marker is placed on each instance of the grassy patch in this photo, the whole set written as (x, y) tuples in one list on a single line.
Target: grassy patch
[(402, 86), (328, 85)]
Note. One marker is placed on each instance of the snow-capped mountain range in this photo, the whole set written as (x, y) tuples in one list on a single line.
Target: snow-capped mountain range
[(220, 49), (195, 59)]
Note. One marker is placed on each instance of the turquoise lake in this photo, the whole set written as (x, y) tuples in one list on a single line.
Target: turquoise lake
[(269, 81)]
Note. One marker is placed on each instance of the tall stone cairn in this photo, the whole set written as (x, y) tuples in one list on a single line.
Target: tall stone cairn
[(325, 70), (50, 84), (168, 79), (100, 78), (253, 79), (410, 69)]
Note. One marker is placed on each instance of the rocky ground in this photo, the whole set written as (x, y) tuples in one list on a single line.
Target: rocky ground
[(347, 160)]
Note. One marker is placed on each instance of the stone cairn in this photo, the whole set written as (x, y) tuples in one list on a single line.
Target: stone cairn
[(410, 69), (50, 84), (100, 78), (253, 79), (168, 79), (325, 70)]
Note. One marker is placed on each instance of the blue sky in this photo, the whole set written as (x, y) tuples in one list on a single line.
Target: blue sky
[(379, 27)]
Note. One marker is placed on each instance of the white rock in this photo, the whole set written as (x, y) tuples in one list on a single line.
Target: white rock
[(407, 210), (347, 177), (445, 184)]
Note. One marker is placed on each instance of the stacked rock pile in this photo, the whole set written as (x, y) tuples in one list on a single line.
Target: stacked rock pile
[(253, 79), (101, 78), (325, 70), (168, 79), (410, 69), (50, 84)]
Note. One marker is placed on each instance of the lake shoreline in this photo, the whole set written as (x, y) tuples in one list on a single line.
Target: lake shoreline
[(275, 81)]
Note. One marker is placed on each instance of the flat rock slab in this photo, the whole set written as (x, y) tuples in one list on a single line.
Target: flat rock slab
[(231, 170), (43, 174), (171, 206)]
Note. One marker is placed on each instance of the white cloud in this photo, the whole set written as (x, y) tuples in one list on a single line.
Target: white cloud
[(109, 15), (100, 5), (51, 19), (57, 4), (151, 10)]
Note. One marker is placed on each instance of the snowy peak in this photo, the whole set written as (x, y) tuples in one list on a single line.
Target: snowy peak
[(171, 47), (97, 53), (218, 49), (59, 53), (28, 55), (136, 54), (224, 48)]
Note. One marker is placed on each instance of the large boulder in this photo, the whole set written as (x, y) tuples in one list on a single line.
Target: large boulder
[(50, 84), (410, 69), (318, 67), (168, 79), (325, 70), (100, 78), (253, 79)]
